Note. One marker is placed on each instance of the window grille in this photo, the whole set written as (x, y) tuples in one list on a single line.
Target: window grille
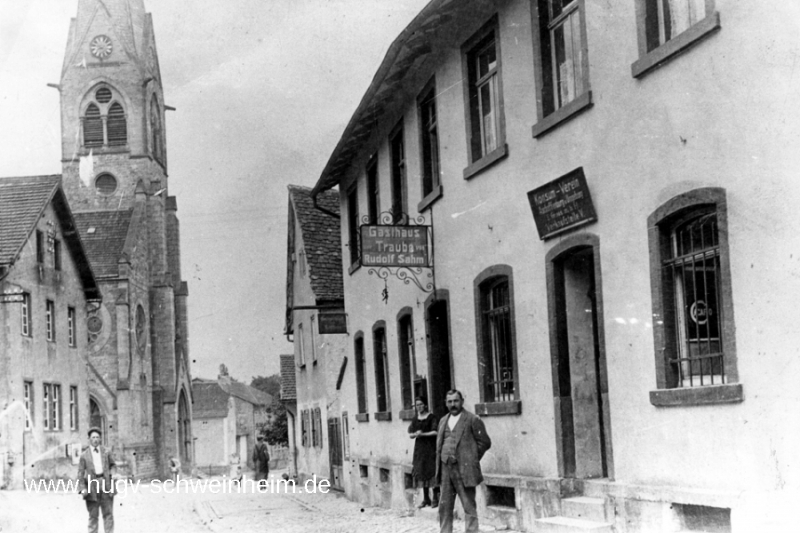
[(692, 274), (498, 355), (92, 127), (117, 126)]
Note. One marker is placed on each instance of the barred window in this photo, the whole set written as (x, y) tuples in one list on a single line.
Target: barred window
[(498, 360), (692, 301), (691, 274)]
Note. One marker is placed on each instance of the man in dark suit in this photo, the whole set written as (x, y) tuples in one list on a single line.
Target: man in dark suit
[(261, 461), (460, 444), (96, 482)]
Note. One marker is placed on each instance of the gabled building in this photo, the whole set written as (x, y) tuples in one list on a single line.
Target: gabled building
[(610, 190), (227, 417), (46, 288), (115, 175), (316, 323)]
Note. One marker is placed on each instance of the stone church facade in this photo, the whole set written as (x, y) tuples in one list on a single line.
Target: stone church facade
[(115, 175)]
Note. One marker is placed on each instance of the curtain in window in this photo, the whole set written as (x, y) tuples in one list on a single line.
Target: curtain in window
[(678, 16)]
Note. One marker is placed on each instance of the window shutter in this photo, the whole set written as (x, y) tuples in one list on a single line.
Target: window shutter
[(92, 127), (117, 126)]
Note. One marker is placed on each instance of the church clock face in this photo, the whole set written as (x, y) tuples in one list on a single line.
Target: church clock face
[(101, 47)]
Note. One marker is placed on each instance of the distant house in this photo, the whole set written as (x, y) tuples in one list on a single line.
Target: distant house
[(46, 287), (227, 414)]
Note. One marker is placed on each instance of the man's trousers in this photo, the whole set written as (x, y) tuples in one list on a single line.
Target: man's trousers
[(105, 503), (451, 485)]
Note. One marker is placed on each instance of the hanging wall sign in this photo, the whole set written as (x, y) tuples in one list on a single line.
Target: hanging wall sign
[(562, 205), (395, 246)]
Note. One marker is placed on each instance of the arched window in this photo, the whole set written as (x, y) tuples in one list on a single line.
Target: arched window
[(117, 126), (157, 146), (92, 127), (104, 121)]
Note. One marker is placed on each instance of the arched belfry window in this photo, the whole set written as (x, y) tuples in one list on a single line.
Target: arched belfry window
[(156, 132), (117, 127), (92, 127), (104, 120)]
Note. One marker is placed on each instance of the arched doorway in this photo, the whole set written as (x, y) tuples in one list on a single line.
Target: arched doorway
[(97, 419), (184, 430)]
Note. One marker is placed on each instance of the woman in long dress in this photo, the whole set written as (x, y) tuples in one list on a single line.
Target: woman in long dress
[(423, 429)]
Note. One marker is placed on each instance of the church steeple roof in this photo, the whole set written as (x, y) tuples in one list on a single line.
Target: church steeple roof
[(127, 19)]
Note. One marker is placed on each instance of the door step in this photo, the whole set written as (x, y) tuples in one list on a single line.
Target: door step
[(578, 515), (562, 524), (584, 507)]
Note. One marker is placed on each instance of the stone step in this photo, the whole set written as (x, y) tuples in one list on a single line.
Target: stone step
[(561, 524), (584, 507)]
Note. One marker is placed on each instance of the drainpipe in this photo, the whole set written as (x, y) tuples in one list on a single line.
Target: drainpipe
[(322, 209)]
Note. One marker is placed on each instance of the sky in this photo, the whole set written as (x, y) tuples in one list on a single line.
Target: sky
[(263, 90)]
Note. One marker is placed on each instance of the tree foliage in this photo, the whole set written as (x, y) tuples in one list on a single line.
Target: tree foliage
[(276, 431)]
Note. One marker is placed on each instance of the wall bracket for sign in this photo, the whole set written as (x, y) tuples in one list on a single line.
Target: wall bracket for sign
[(400, 247)]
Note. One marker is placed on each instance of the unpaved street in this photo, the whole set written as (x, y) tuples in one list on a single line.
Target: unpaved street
[(150, 510)]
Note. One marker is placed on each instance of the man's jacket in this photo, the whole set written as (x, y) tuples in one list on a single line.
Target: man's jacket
[(472, 442), (88, 479)]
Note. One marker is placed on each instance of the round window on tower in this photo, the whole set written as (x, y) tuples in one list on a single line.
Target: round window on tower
[(106, 184), (103, 95)]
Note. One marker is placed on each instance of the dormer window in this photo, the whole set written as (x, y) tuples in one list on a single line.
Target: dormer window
[(104, 122)]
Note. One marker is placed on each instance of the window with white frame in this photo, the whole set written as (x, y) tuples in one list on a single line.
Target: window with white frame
[(50, 320), (73, 408), (52, 406), (27, 394), (668, 27), (313, 339), (26, 315), (485, 114), (71, 327), (562, 69), (429, 140)]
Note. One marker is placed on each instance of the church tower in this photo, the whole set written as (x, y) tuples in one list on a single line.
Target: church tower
[(114, 162)]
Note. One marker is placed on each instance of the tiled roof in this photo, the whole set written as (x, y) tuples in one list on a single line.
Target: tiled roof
[(105, 244), (22, 201), (210, 401), (288, 378), (244, 392), (322, 240)]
